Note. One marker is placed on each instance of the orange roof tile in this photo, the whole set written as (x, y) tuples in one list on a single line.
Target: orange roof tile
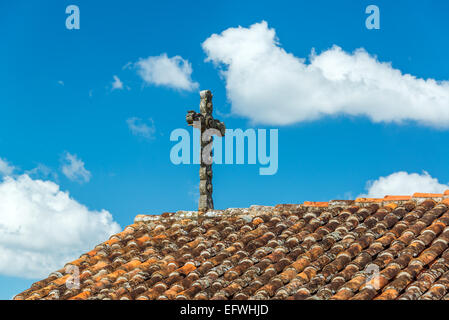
[(391, 248), (316, 204), (374, 200), (187, 268), (257, 221), (427, 195), (397, 198), (82, 296), (391, 205), (92, 253), (61, 280)]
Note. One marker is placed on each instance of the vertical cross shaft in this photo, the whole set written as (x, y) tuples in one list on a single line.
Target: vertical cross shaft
[(208, 126)]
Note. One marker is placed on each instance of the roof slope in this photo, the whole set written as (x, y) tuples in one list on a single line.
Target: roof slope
[(390, 248)]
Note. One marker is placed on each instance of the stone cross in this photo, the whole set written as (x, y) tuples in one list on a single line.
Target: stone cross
[(208, 126)]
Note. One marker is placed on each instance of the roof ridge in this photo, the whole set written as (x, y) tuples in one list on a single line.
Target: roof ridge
[(417, 197)]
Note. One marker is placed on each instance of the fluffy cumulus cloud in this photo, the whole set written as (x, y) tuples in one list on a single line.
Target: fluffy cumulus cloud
[(5, 168), (174, 72), (42, 227), (140, 128), (73, 168), (403, 183), (269, 85)]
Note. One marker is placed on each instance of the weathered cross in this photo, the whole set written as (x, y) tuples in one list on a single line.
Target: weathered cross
[(208, 127)]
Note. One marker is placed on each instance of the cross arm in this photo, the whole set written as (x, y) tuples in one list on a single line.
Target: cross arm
[(217, 124), (193, 116)]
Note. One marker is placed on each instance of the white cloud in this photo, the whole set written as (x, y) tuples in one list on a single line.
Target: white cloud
[(42, 171), (403, 183), (172, 72), (5, 168), (42, 228), (128, 65), (73, 168), (139, 128), (269, 85), (117, 84)]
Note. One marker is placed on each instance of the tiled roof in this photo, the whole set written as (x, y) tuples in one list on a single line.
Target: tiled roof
[(396, 247)]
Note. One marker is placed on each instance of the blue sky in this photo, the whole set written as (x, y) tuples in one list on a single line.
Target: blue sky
[(60, 110)]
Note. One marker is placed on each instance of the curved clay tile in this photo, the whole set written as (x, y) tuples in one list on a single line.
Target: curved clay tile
[(394, 247)]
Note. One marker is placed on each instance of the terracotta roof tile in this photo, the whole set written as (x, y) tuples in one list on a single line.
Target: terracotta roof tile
[(315, 204), (427, 195), (397, 198), (396, 247)]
